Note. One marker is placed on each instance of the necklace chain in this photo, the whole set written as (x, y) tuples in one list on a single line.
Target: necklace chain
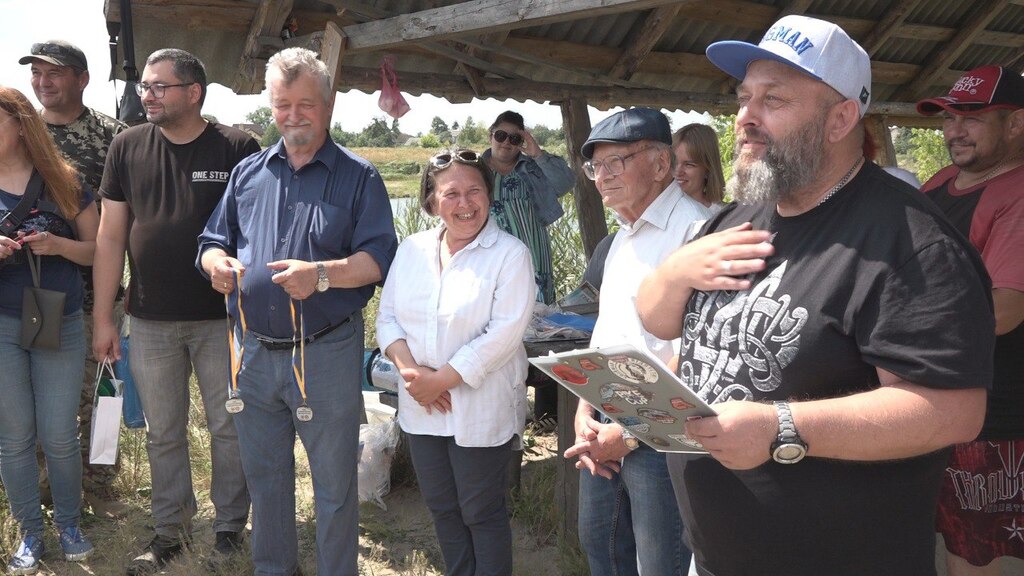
[(842, 182), (988, 174)]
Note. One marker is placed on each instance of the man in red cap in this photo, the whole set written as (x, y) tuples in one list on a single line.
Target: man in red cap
[(981, 516)]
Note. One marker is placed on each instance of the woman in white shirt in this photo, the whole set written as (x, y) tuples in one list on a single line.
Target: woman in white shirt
[(452, 315)]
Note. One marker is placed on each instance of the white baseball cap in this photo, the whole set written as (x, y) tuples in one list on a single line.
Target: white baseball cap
[(815, 47)]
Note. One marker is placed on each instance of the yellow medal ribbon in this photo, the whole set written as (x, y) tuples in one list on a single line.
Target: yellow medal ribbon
[(234, 404), (304, 413)]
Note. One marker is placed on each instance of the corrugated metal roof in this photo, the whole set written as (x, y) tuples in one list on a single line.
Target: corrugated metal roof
[(558, 58)]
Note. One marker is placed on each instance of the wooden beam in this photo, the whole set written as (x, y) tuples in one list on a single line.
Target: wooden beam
[(603, 97), (794, 7), (269, 19), (446, 50), (333, 52), (876, 127), (480, 17), (891, 21), (474, 78), (643, 40), (576, 123), (739, 13), (940, 61), (567, 72)]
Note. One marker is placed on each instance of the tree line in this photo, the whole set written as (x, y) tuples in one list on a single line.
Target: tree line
[(920, 150)]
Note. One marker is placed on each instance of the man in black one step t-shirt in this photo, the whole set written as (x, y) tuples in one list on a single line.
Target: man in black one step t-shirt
[(161, 182), (836, 321)]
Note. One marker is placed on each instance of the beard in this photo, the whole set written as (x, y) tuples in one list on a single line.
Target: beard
[(298, 135), (788, 166)]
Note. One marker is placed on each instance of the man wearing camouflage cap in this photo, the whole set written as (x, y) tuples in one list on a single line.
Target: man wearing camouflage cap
[(60, 74)]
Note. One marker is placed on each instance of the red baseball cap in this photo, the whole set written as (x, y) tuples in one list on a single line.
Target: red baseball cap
[(980, 90)]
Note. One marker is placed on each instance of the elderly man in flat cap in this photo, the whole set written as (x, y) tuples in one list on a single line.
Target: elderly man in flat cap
[(625, 525)]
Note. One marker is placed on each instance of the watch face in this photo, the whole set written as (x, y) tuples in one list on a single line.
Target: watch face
[(789, 453)]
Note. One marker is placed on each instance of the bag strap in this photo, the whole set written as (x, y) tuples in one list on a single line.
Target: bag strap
[(35, 264), (14, 218)]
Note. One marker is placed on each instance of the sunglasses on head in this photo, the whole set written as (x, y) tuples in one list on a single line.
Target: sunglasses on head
[(445, 159), (513, 139)]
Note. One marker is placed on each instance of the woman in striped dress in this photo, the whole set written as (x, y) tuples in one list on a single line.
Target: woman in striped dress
[(527, 184)]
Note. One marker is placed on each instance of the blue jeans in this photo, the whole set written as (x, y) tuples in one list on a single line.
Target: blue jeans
[(266, 435), (465, 488), (162, 356), (39, 394), (630, 525)]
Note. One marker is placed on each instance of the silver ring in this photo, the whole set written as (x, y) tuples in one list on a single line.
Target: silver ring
[(726, 265), (225, 285), (46, 234)]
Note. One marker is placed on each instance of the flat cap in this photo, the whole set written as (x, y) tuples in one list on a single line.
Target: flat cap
[(632, 125)]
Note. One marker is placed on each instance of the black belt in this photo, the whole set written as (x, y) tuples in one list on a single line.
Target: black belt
[(288, 343)]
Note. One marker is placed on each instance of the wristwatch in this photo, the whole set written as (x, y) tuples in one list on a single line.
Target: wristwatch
[(322, 282), (629, 440), (788, 447)]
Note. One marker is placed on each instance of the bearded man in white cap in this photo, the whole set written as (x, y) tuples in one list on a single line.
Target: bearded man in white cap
[(820, 317)]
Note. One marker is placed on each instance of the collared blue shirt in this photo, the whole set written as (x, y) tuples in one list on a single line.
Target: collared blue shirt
[(331, 208)]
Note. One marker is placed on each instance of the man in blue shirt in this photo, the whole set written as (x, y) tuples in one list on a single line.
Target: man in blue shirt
[(306, 227)]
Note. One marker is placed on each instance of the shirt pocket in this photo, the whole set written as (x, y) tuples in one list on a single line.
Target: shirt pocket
[(465, 302), (330, 229)]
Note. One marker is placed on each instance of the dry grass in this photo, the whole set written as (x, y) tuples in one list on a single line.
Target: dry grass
[(397, 542)]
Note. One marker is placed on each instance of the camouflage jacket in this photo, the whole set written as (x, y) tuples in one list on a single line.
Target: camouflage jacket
[(84, 143)]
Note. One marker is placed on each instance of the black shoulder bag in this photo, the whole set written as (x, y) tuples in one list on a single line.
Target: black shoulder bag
[(42, 311)]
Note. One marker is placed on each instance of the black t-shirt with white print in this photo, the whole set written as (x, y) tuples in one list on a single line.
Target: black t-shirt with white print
[(872, 278), (171, 190)]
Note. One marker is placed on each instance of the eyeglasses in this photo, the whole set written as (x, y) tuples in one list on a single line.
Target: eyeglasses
[(513, 139), (445, 159), (613, 165), (158, 90)]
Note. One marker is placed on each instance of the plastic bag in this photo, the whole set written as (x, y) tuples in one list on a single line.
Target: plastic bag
[(391, 100), (106, 416), (377, 444)]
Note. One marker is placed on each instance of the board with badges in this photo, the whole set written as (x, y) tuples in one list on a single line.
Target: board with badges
[(631, 388)]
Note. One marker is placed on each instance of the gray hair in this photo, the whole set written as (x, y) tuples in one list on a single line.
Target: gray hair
[(292, 62), (661, 148), (186, 66)]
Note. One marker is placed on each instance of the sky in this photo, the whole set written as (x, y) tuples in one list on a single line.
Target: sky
[(81, 22)]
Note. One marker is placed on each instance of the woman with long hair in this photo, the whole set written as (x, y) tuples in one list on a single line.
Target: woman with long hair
[(41, 387), (698, 164)]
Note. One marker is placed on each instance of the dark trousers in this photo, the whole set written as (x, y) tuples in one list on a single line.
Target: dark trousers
[(465, 489)]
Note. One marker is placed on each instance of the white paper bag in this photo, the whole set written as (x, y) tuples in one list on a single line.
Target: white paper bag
[(106, 418)]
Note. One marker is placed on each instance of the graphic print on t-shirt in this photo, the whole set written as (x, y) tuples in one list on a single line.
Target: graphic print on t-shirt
[(750, 337)]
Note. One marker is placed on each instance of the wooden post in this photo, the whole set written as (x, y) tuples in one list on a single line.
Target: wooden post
[(333, 52), (576, 123), (567, 480), (875, 125)]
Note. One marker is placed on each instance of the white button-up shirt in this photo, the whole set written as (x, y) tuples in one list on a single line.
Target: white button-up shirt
[(471, 315), (638, 249)]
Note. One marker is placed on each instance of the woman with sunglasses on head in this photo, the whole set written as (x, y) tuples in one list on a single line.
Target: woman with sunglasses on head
[(452, 316), (527, 185), (698, 164), (41, 387)]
